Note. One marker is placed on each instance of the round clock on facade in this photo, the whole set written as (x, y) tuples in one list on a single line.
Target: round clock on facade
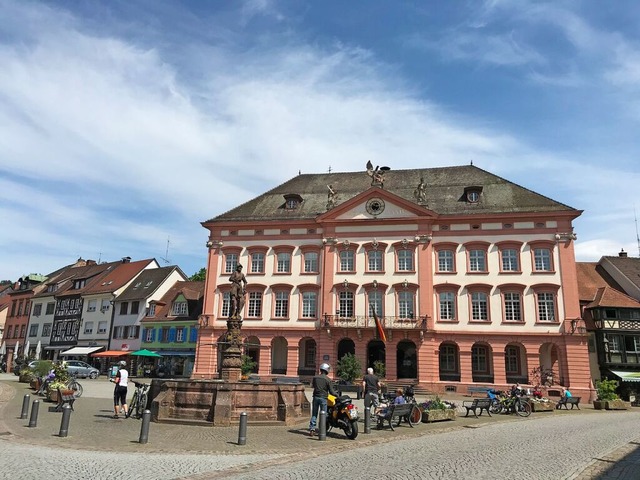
[(375, 206)]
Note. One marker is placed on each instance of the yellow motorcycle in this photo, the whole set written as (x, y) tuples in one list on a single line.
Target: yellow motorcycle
[(342, 413)]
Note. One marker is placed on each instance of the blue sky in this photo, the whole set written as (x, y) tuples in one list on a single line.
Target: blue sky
[(127, 123)]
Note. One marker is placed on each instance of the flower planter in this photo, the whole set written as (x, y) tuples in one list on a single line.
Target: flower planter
[(438, 415), (52, 395), (615, 405), (542, 406), (609, 405)]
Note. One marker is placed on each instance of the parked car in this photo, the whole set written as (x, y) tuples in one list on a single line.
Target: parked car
[(81, 369)]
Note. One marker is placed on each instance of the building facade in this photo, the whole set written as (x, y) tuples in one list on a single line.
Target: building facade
[(171, 329), (612, 317), (472, 277)]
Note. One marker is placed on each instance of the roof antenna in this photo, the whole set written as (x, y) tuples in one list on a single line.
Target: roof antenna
[(166, 254), (637, 236), (472, 161)]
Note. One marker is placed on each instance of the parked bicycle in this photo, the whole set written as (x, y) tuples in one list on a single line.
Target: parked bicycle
[(139, 401), (512, 404), (75, 386)]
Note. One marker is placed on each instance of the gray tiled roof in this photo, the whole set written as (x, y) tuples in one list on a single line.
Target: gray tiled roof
[(628, 266), (444, 194), (146, 283)]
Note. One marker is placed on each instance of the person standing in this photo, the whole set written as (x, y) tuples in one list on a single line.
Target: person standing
[(322, 387), (371, 386), (120, 392)]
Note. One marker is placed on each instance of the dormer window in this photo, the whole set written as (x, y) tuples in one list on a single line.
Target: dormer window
[(79, 283), (292, 201), (180, 308), (472, 194)]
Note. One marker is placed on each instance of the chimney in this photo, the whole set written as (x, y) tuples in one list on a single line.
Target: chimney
[(622, 253)]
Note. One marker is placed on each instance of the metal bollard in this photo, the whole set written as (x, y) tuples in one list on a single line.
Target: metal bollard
[(144, 429), (64, 424), (33, 420), (322, 425), (242, 431), (25, 407), (367, 420)]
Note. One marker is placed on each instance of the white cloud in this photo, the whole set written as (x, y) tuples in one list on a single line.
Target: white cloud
[(111, 148)]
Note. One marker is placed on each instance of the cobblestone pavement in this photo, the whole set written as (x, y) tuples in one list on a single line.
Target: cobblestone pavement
[(603, 446)]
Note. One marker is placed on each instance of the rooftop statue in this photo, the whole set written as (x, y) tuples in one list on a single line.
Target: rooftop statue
[(376, 174)]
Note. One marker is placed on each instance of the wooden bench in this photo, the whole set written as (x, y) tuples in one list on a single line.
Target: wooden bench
[(393, 412), (573, 401), (478, 390), (65, 396), (477, 404)]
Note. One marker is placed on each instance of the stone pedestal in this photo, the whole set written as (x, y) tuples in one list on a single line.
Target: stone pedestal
[(220, 403)]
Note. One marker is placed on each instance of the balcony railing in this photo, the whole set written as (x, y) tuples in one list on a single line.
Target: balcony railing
[(357, 321)]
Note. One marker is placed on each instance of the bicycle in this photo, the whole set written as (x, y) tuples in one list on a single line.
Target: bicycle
[(139, 400), (514, 404), (75, 386)]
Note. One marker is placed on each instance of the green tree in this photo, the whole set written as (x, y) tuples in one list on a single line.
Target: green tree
[(199, 276), (349, 368)]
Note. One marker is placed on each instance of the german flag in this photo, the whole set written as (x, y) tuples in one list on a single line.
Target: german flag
[(379, 328)]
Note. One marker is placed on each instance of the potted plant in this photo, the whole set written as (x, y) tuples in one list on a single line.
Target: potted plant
[(607, 397), (437, 410), (26, 375), (542, 404), (247, 367), (348, 368), (52, 390)]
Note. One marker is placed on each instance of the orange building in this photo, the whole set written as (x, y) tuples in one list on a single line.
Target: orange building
[(473, 278)]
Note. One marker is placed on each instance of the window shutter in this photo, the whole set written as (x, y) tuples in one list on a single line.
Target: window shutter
[(172, 334), (153, 334), (137, 335), (144, 334), (193, 335)]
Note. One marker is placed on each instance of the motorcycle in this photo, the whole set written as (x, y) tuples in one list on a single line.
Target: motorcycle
[(342, 413)]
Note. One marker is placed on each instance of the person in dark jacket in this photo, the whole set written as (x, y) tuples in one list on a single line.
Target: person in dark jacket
[(322, 387)]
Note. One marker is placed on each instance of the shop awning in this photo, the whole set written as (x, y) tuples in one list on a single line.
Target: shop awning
[(627, 376), (81, 350), (110, 353), (176, 353)]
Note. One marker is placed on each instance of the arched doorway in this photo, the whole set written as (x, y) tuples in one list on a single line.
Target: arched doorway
[(346, 345), (481, 366), (252, 350), (549, 368), (279, 348), (307, 357), (376, 353), (407, 360), (515, 363), (449, 362)]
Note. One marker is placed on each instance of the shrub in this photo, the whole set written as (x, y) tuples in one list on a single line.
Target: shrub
[(607, 390), (42, 367), (248, 365), (379, 368), (348, 368)]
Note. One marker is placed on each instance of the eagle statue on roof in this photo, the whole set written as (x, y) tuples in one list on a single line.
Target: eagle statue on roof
[(376, 174)]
